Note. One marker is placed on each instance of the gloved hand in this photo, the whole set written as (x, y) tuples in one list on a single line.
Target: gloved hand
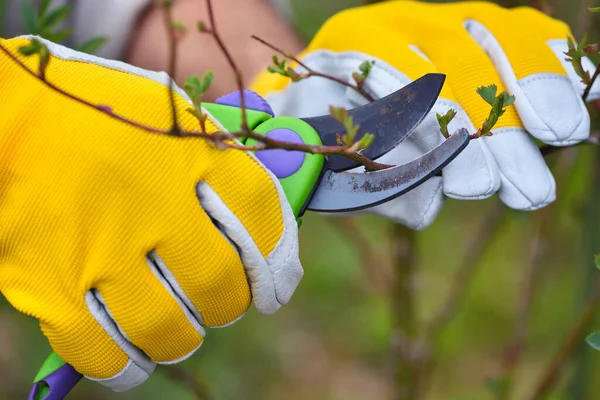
[(475, 44), (125, 244)]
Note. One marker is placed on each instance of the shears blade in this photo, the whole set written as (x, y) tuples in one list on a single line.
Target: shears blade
[(346, 191), (391, 119)]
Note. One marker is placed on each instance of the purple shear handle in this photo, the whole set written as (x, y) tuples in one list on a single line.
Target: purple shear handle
[(60, 383), (282, 163), (252, 101)]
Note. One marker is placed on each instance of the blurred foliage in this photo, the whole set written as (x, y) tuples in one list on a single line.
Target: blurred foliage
[(333, 340), (48, 20)]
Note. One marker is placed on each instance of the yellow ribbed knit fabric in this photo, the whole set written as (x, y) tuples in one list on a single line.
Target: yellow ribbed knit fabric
[(386, 30), (84, 197)]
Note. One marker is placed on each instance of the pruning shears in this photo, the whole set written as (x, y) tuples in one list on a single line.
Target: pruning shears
[(318, 182)]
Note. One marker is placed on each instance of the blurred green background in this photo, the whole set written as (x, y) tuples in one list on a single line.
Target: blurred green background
[(337, 339)]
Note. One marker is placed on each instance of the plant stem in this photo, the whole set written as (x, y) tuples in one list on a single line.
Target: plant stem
[(588, 88), (574, 341), (377, 268), (516, 345), (584, 17), (569, 346), (405, 329), (479, 244), (239, 80), (591, 238), (594, 140), (542, 5), (311, 72), (168, 21), (224, 140), (180, 375)]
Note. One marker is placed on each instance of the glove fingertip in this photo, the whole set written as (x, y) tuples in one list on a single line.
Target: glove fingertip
[(131, 376)]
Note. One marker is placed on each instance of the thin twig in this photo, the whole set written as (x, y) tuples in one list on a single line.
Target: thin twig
[(101, 108), (433, 330), (575, 338), (405, 325), (236, 71), (221, 139), (584, 17), (480, 243), (376, 266), (588, 88), (169, 22), (568, 347), (542, 5), (546, 149), (594, 139), (310, 72), (516, 345), (180, 375)]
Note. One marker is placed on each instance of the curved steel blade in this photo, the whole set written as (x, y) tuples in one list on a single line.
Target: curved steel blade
[(392, 119), (345, 191)]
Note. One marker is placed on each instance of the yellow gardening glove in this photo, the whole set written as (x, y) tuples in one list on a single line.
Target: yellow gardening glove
[(125, 244), (475, 44)]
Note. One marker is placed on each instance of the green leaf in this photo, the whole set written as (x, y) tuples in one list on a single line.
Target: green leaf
[(192, 86), (44, 5), (365, 67), (192, 111), (594, 340), (280, 68), (366, 140), (290, 72), (207, 80), (358, 78), (28, 16), (44, 58), (59, 36), (92, 45), (581, 44), (33, 47), (280, 64), (200, 26), (339, 113), (444, 121), (597, 260), (351, 129), (442, 124), (594, 9), (54, 18), (570, 43), (498, 103), (575, 56), (179, 26), (507, 99), (488, 93), (275, 70)]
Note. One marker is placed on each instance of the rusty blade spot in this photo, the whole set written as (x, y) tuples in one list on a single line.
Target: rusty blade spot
[(391, 119), (345, 191)]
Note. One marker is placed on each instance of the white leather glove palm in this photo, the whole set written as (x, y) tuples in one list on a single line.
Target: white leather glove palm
[(475, 44)]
